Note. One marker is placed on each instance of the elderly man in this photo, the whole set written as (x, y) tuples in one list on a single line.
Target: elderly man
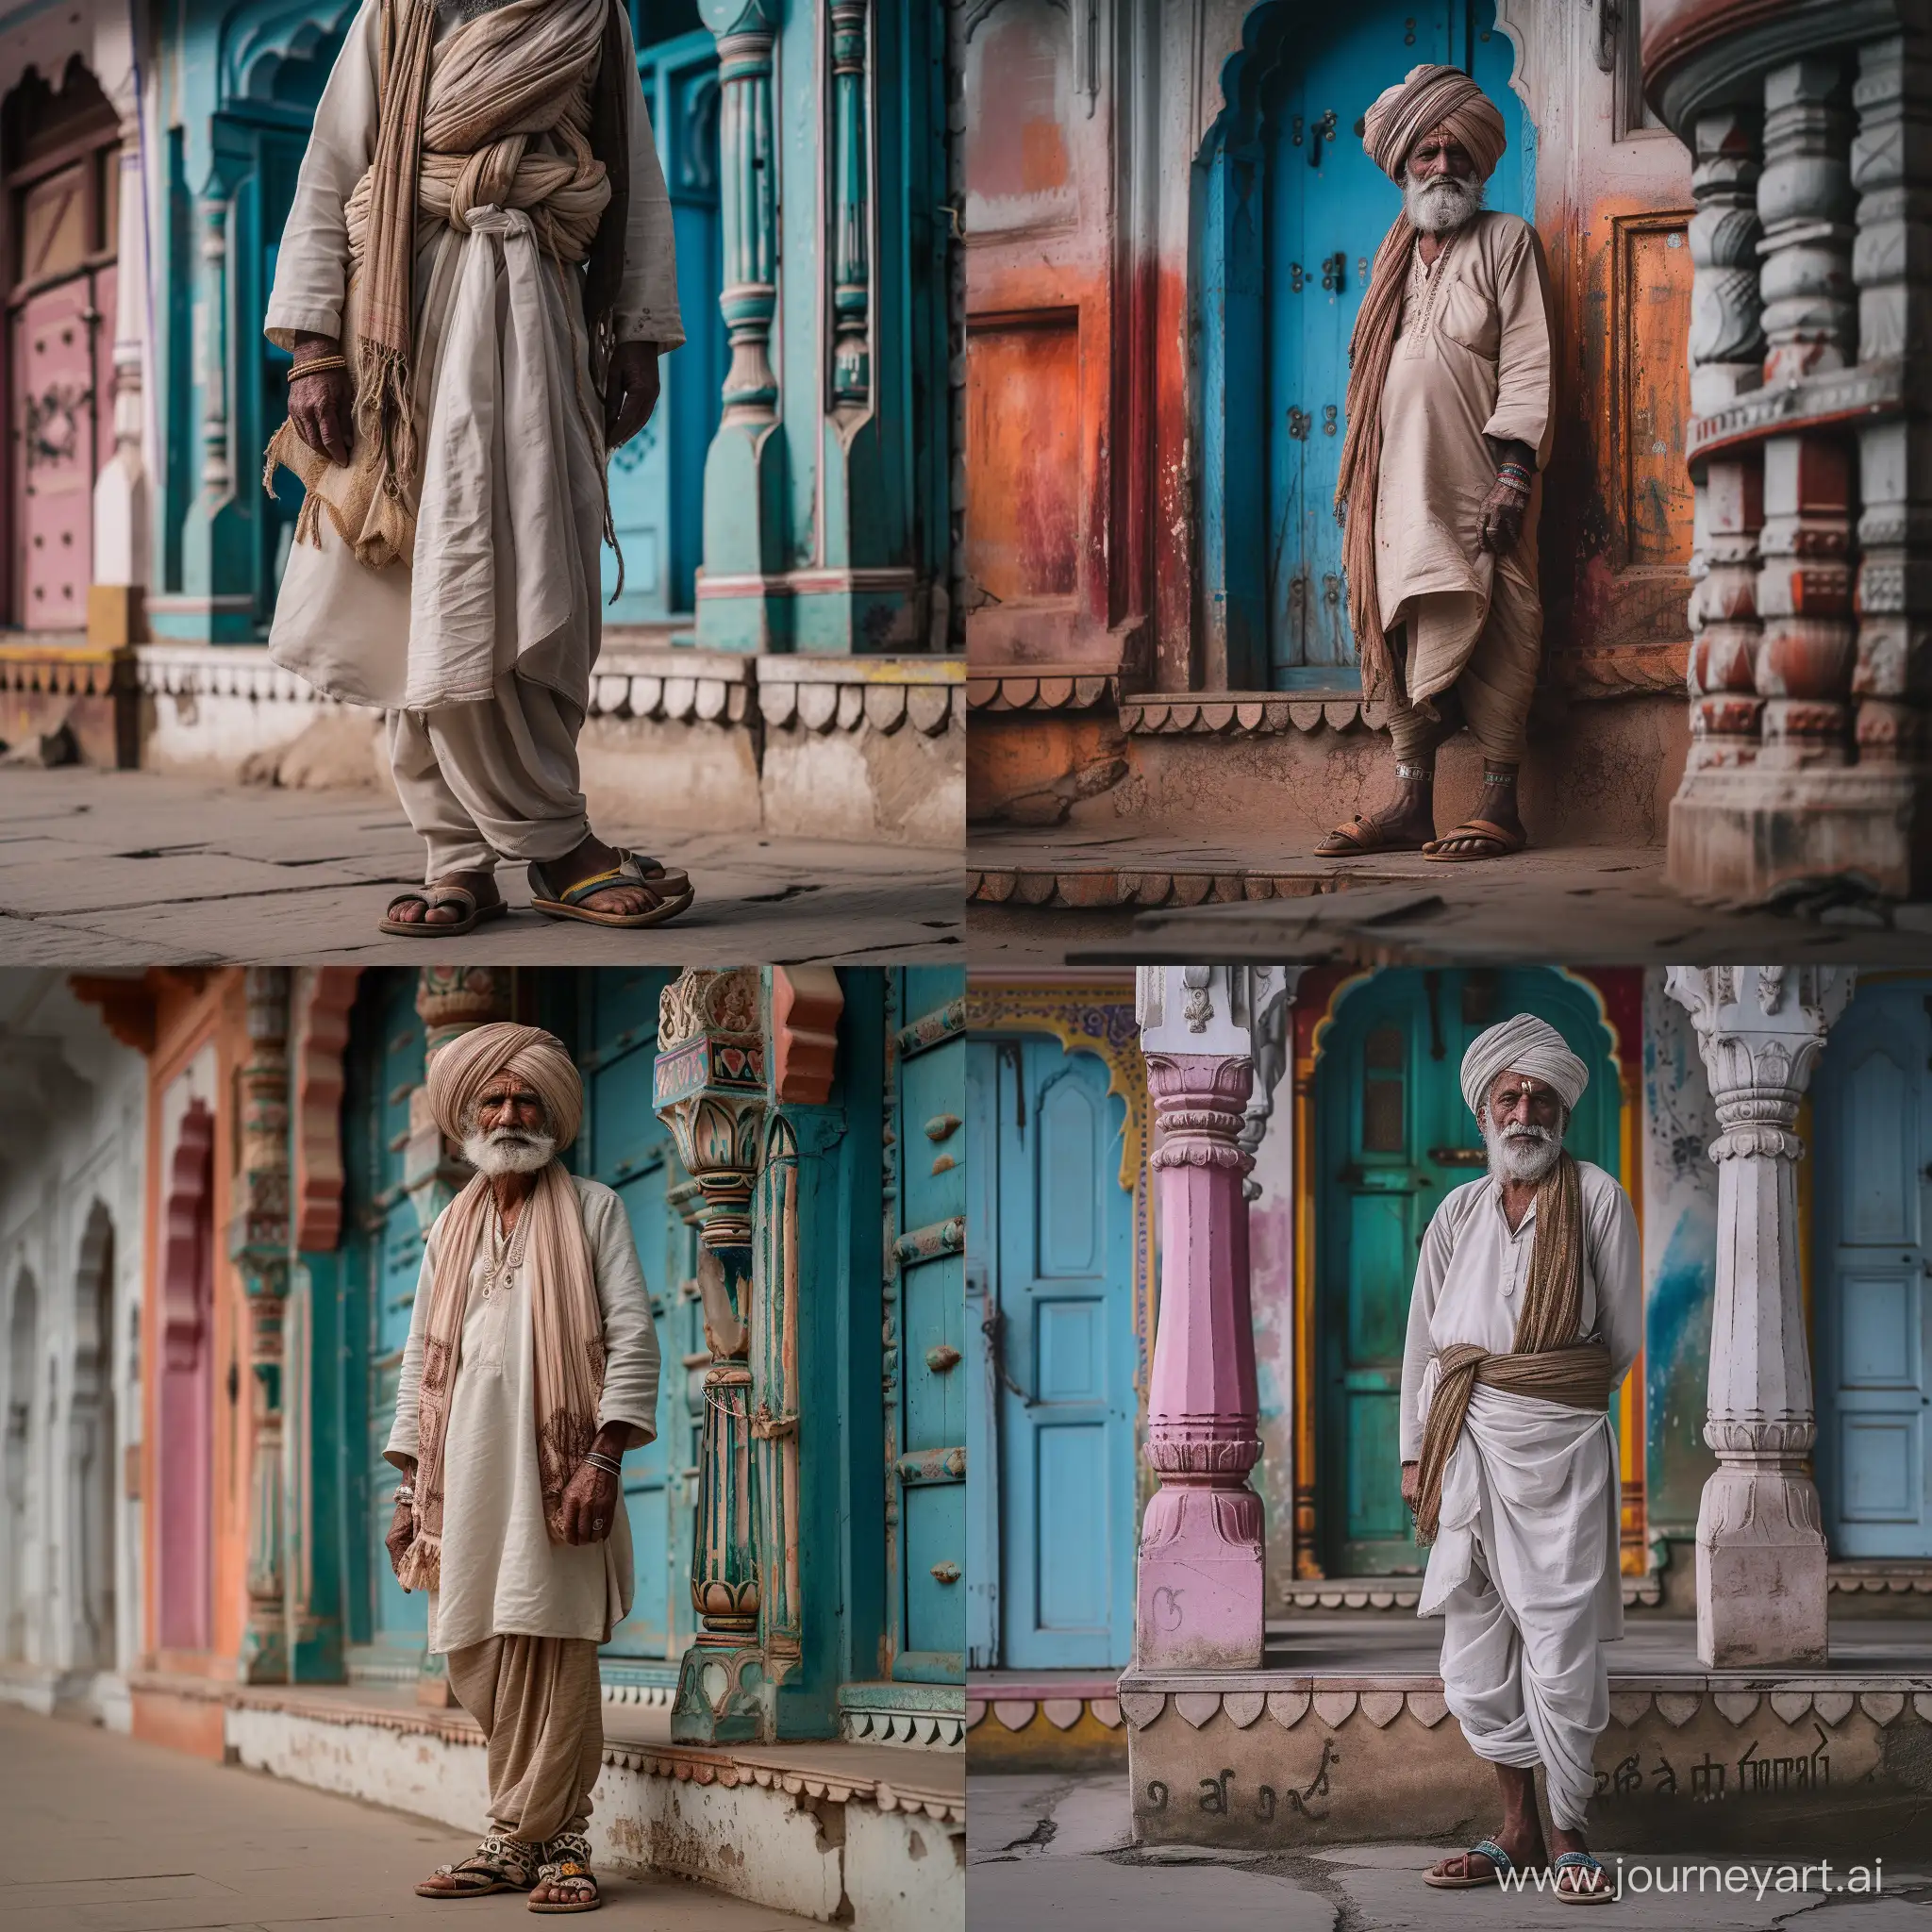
[(1524, 1320), (480, 244), (1450, 396), (531, 1366)]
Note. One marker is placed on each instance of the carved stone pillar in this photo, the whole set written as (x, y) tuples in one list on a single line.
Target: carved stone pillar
[(1804, 201), (1760, 1540), (1726, 330), (1804, 602), (1891, 169), (710, 1092), (258, 1246), (851, 210), (1199, 1593), (121, 512)]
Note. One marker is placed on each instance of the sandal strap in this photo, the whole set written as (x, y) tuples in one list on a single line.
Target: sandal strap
[(431, 897), (1577, 1859), (1487, 1848)]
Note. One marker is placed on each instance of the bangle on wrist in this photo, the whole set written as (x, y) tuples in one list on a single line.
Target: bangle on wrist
[(316, 365), (608, 1464), (406, 1495)]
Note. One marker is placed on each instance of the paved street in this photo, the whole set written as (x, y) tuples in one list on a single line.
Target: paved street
[(138, 869), (1057, 1851), (107, 1835)]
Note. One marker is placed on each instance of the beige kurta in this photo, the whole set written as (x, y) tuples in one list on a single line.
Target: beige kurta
[(501, 1574), (1474, 360), (506, 574)]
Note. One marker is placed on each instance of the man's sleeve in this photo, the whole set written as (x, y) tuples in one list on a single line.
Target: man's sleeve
[(1429, 1270), (403, 1440), (1618, 1265), (630, 1335), (1526, 360), (312, 263), (646, 308)]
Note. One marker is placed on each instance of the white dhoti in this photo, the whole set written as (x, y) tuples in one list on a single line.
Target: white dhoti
[(1524, 1571)]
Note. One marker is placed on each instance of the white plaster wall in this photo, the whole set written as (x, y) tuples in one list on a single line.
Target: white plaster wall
[(85, 1094), (899, 1873)]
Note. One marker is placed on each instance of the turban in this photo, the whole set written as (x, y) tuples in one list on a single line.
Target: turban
[(1523, 1045), (459, 1072), (1428, 97)]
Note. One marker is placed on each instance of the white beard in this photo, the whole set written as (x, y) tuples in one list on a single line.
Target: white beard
[(506, 1149), (1523, 1153), (1441, 204)]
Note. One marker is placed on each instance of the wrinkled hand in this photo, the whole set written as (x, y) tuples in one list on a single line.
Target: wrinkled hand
[(1502, 519), (590, 1504), (1411, 1483), (402, 1533), (630, 391), (323, 407)]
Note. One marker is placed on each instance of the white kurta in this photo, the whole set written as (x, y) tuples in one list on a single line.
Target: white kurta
[(506, 573), (1525, 1568), (501, 1573)]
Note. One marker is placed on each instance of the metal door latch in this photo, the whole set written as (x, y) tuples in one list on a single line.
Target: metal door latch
[(1320, 132), (1335, 272), (1327, 419), (1294, 278), (1298, 420)]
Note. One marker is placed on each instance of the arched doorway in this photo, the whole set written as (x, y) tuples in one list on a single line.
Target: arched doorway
[(1872, 1251), (22, 1458), (185, 1395), (1292, 214), (94, 1452), (60, 161), (1393, 1138)]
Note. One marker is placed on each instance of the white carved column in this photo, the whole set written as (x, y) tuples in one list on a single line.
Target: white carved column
[(1760, 1540), (121, 547), (1199, 1597)]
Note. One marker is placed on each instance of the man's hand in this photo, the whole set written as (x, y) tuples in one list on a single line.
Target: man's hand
[(590, 1504), (1411, 1484), (402, 1528), (1502, 524), (323, 407), (630, 391)]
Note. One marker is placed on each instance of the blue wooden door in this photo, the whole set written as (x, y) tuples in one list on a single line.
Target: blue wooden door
[(387, 1626), (929, 1102), (623, 1144), (1327, 208), (1871, 1313), (982, 1385), (657, 479), (1394, 1137), (1058, 1347)]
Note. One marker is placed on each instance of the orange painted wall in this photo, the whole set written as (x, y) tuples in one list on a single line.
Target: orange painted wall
[(190, 1008)]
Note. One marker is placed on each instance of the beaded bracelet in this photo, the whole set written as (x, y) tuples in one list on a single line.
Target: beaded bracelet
[(1515, 475), (317, 365)]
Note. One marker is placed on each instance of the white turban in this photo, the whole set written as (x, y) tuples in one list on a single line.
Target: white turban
[(1523, 1045)]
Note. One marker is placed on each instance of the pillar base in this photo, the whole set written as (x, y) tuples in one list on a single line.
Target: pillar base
[(1762, 1587), (1199, 1595), (1743, 835), (721, 1696)]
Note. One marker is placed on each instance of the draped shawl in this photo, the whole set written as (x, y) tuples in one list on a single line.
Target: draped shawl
[(1428, 98)]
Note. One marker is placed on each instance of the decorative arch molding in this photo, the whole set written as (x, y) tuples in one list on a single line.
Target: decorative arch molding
[(322, 1002), (187, 1238), (91, 1451), (261, 36)]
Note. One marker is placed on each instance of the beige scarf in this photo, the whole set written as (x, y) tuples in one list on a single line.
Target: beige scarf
[(454, 132), (567, 1337), (1547, 1361)]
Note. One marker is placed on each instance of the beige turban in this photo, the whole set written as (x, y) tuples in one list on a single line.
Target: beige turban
[(459, 1072), (1523, 1045), (1428, 98)]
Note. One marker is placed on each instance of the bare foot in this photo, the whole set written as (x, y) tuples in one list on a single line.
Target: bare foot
[(1523, 1839), (586, 861), (1403, 826)]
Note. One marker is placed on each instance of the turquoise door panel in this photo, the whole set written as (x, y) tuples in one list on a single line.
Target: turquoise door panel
[(982, 1388), (1393, 1139), (930, 1092), (1056, 1353), (623, 1144), (657, 479), (1327, 208), (1872, 1310)]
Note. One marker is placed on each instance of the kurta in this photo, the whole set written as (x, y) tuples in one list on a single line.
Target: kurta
[(506, 574), (502, 1574), (1525, 1565), (1474, 359)]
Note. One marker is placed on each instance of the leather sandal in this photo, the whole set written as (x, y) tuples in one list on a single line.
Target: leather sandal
[(670, 890), (473, 912), (1359, 838), (1502, 841), (567, 1861), (498, 1864), (1500, 1862)]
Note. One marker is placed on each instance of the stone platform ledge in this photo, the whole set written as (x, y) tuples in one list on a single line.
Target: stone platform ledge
[(916, 1717), (1245, 713), (63, 664), (1391, 1593), (824, 693), (221, 670), (1270, 1759), (1104, 887), (1879, 1576), (1039, 687), (867, 1836), (1045, 1721)]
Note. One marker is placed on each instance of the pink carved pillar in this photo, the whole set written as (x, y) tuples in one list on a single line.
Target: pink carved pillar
[(1199, 1595)]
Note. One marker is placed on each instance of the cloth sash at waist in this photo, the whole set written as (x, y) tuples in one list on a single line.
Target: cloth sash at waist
[(1577, 1377)]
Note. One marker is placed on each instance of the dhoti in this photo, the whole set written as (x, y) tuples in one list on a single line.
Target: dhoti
[(541, 1708), (1524, 1570), (1487, 655)]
